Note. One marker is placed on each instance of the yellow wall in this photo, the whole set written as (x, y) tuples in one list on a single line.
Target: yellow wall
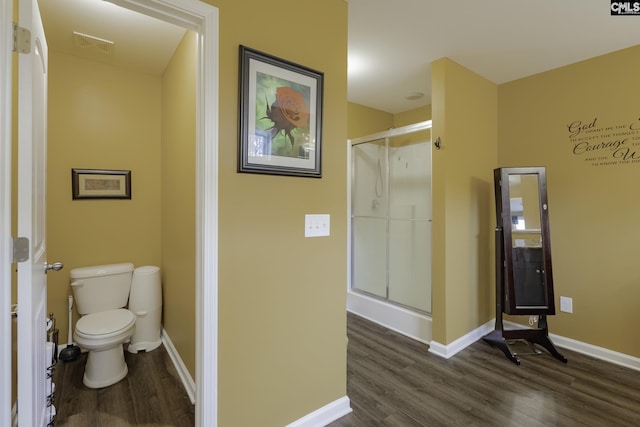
[(412, 116), (100, 117), (365, 121), (178, 199), (593, 212), (282, 318), (464, 109)]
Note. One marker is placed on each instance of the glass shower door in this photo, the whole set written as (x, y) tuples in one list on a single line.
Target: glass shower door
[(369, 224), (391, 218), (409, 275)]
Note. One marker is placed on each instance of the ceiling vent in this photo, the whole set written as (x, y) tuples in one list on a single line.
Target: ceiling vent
[(93, 44)]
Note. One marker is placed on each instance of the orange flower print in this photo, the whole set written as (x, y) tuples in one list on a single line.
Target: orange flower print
[(287, 112)]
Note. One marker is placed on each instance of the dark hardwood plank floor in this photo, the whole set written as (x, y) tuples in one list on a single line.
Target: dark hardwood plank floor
[(391, 381), (394, 381), (151, 395)]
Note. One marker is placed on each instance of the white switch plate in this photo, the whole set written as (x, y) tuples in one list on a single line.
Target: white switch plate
[(317, 225), (566, 304)]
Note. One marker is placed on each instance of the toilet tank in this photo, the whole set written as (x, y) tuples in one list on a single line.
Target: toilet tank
[(101, 287)]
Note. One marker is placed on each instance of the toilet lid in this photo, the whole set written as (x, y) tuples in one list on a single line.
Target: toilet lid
[(105, 322)]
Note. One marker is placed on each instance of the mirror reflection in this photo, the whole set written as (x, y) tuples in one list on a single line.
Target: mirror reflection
[(526, 240), (525, 210)]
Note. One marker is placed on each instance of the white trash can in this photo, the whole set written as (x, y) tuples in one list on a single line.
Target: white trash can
[(145, 302)]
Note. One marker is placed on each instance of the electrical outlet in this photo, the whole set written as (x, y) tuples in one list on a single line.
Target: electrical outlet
[(566, 304)]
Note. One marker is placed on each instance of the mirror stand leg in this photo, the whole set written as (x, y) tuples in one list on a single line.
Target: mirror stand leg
[(543, 339), (495, 339)]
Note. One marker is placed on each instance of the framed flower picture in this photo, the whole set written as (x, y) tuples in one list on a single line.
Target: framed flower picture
[(280, 130)]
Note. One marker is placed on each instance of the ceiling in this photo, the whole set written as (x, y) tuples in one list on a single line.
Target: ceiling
[(391, 42), (140, 43)]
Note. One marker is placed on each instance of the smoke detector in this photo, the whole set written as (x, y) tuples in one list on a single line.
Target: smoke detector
[(93, 44)]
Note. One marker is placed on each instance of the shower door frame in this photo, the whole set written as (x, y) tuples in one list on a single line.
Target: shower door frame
[(409, 321)]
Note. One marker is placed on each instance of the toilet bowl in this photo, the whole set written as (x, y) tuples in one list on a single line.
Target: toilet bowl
[(103, 334), (101, 293)]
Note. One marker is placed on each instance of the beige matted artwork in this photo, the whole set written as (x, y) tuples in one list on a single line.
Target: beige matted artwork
[(100, 184)]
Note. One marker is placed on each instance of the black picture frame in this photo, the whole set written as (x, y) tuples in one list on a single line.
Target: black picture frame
[(280, 116), (100, 184)]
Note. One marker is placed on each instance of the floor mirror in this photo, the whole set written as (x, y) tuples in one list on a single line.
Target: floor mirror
[(524, 275)]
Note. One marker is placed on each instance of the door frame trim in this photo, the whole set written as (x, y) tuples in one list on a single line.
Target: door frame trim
[(203, 19), (6, 64)]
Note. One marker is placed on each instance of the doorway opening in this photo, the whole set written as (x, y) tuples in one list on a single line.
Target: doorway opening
[(202, 19)]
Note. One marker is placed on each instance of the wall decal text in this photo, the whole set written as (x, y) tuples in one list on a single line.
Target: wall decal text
[(604, 144)]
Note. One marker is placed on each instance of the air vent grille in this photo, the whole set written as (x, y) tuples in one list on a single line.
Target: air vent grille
[(94, 44)]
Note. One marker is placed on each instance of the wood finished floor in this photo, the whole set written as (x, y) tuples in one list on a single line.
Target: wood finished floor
[(151, 395), (394, 381), (391, 381)]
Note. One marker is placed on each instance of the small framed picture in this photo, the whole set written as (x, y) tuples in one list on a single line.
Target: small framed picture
[(280, 129), (100, 184)]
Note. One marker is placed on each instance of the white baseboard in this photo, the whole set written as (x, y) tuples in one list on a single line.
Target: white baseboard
[(461, 343), (183, 372), (325, 415), (399, 319), (597, 352)]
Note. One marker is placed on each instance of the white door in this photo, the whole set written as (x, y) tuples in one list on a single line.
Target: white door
[(32, 281)]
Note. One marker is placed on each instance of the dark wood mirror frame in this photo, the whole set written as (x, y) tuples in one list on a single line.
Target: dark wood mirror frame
[(528, 274), (524, 275)]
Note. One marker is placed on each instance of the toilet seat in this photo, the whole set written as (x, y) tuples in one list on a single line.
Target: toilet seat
[(105, 324), (102, 334)]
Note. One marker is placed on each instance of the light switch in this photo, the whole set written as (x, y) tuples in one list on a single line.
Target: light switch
[(316, 225)]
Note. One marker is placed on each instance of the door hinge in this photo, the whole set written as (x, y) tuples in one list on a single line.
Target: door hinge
[(20, 249), (21, 39)]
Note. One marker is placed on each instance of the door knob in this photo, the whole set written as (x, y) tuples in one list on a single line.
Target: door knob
[(56, 266)]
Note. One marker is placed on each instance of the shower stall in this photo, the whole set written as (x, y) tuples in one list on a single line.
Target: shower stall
[(390, 227)]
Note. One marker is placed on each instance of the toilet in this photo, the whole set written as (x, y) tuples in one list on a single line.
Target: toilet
[(101, 294)]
